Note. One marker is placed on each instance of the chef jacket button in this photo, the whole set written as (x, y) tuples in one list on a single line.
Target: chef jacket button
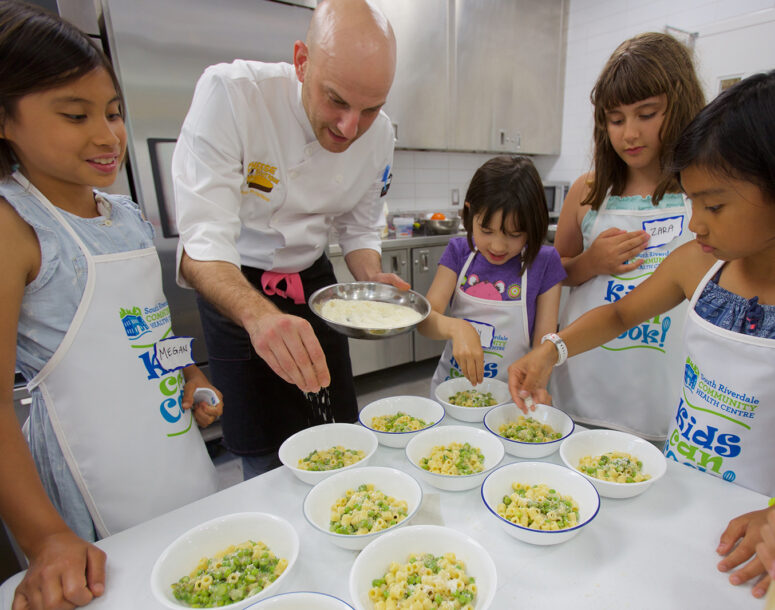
[(338, 179), (108, 223)]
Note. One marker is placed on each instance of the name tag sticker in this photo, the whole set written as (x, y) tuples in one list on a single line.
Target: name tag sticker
[(174, 353), (663, 230), (486, 332)]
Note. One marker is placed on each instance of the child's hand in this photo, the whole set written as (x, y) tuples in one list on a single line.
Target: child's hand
[(65, 572), (529, 375), (746, 532), (765, 550), (467, 350), (204, 413), (610, 251)]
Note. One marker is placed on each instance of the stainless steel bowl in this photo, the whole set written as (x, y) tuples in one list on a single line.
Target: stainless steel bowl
[(369, 291), (444, 227)]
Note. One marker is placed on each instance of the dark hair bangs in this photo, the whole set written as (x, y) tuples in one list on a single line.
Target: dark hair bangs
[(631, 80)]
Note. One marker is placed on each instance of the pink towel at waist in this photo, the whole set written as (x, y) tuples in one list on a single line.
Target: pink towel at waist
[(293, 286)]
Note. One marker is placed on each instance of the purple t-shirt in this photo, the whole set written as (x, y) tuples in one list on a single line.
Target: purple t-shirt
[(503, 282)]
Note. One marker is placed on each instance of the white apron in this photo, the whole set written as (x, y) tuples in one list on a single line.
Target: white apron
[(626, 383), (502, 327), (726, 413), (132, 451)]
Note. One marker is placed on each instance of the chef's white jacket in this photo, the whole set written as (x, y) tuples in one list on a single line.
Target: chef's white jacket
[(254, 187)]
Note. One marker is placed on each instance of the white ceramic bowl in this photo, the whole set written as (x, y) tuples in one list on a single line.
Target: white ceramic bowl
[(500, 392), (391, 482), (597, 442), (396, 546), (325, 436), (503, 414), (301, 600), (207, 539), (425, 409), (422, 444), (565, 481)]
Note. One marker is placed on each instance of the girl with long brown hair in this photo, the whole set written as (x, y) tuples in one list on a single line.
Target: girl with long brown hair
[(611, 235)]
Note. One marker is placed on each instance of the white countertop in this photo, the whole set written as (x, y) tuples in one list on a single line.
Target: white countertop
[(656, 550)]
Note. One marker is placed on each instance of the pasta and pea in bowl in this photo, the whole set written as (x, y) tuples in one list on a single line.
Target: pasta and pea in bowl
[(454, 458), (397, 419), (534, 436), (423, 566), (317, 452), (353, 507), (618, 464), (469, 403), (540, 503)]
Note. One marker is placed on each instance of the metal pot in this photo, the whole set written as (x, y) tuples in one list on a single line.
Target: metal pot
[(444, 227)]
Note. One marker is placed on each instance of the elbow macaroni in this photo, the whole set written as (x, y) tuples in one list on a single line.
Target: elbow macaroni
[(614, 466), (366, 510), (538, 507), (233, 574), (400, 422), (528, 430), (454, 459), (425, 582), (472, 398), (330, 459)]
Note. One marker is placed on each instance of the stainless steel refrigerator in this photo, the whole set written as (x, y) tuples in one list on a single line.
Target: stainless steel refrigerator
[(159, 49)]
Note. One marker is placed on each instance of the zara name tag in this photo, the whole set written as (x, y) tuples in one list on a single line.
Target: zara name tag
[(663, 230)]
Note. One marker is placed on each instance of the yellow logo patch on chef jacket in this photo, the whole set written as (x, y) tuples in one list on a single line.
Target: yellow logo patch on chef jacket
[(261, 177)]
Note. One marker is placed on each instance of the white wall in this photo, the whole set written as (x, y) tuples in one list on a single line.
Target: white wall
[(423, 181)]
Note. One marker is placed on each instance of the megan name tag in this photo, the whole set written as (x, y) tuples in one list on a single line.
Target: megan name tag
[(174, 353), (663, 230)]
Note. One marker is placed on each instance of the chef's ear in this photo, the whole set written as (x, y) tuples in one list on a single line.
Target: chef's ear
[(300, 59)]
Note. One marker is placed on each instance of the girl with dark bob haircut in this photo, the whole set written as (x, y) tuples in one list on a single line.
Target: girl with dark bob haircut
[(502, 285), (722, 422)]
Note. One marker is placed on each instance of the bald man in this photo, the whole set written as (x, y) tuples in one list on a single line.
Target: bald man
[(269, 158)]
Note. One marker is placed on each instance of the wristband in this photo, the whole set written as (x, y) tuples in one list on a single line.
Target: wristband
[(771, 502), (562, 349)]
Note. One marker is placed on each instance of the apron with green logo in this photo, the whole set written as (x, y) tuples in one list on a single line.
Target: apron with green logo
[(133, 452), (726, 412)]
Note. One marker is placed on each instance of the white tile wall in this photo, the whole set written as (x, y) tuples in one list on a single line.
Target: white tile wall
[(423, 181)]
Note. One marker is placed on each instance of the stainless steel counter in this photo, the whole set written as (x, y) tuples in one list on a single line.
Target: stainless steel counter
[(396, 243)]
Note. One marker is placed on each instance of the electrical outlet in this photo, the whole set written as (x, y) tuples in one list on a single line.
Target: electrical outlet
[(455, 197)]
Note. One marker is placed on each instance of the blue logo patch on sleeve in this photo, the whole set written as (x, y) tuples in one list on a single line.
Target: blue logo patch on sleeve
[(387, 178)]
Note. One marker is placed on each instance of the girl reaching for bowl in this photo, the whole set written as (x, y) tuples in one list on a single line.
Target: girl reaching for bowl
[(502, 286), (645, 95), (723, 423), (109, 441)]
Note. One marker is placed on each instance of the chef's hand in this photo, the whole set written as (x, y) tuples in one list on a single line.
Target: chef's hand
[(765, 550), (609, 252), (204, 413), (738, 543), (66, 573), (289, 346), (467, 350), (529, 375), (392, 279)]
